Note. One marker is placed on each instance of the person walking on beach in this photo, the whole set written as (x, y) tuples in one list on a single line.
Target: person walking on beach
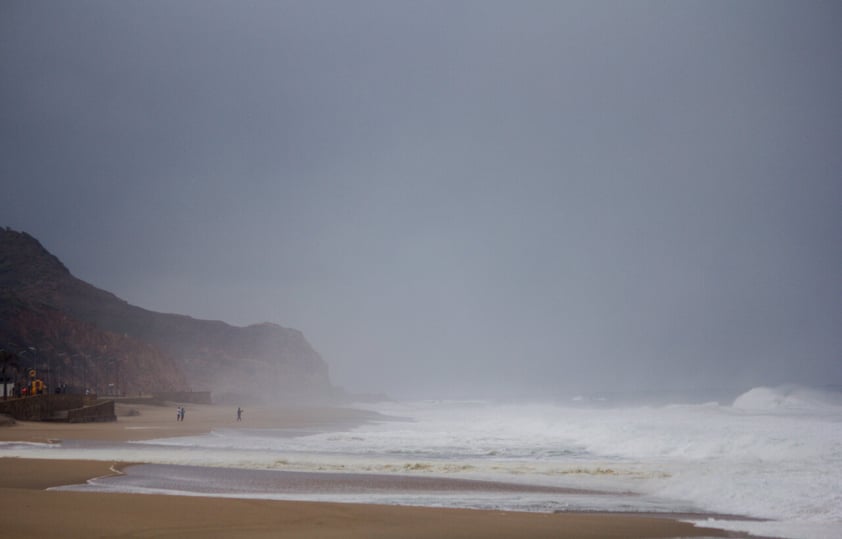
[(239, 414)]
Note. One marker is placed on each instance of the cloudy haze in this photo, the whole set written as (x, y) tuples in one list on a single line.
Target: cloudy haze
[(449, 198)]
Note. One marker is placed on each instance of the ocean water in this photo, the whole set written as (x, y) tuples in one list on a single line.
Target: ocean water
[(769, 463)]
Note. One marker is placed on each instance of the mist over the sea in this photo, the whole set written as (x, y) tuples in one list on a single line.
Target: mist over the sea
[(450, 198)]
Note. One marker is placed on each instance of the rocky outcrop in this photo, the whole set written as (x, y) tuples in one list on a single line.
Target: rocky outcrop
[(80, 331)]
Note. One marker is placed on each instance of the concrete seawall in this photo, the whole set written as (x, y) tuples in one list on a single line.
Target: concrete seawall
[(62, 407)]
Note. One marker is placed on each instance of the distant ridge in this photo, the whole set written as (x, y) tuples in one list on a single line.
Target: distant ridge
[(83, 336)]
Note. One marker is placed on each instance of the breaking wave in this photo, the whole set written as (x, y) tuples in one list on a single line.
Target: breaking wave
[(789, 397)]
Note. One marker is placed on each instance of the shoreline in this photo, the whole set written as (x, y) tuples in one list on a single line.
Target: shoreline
[(84, 514), (30, 509)]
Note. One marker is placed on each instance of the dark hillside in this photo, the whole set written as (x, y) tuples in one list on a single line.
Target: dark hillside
[(80, 328)]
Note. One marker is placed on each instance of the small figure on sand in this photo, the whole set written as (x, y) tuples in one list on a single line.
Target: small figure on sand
[(179, 414), (239, 414)]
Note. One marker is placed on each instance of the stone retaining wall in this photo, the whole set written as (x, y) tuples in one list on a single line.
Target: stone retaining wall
[(43, 407)]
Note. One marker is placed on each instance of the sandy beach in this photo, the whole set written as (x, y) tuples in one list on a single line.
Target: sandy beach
[(148, 421), (30, 510)]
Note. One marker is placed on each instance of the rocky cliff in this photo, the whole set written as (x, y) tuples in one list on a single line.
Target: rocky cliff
[(88, 337)]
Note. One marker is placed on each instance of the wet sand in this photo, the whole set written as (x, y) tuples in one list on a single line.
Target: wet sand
[(30, 511), (282, 484)]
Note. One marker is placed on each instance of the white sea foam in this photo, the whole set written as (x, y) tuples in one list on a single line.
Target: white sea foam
[(774, 453), (793, 398)]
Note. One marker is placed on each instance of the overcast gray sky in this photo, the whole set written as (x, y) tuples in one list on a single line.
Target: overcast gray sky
[(449, 198)]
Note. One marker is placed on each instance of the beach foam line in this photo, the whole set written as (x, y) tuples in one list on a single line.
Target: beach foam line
[(203, 479)]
